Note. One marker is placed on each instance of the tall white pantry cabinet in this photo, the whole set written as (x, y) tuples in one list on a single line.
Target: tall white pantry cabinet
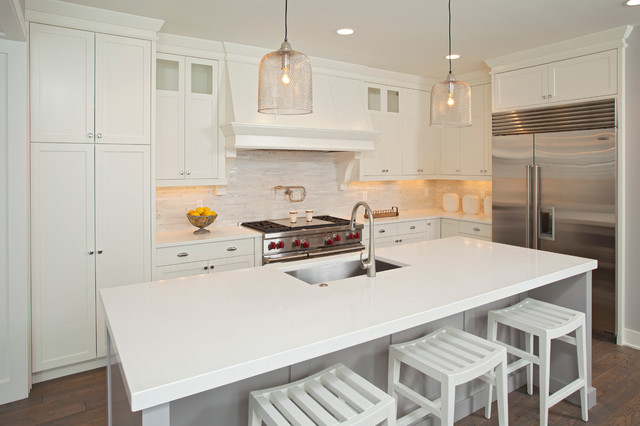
[(90, 184)]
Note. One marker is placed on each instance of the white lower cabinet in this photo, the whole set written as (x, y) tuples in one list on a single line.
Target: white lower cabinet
[(198, 259), (463, 228), (90, 229), (396, 233)]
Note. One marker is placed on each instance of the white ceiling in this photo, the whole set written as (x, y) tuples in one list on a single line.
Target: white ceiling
[(399, 35)]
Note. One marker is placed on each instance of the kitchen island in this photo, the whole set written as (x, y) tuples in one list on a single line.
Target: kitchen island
[(178, 341)]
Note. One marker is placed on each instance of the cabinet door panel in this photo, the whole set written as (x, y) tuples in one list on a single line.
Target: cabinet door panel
[(448, 228), (231, 263), (201, 145), (123, 90), (584, 77), (428, 138), (189, 269), (472, 138), (62, 268), (170, 117), (123, 229), (521, 88), (61, 84), (450, 151), (392, 145), (373, 159), (433, 229)]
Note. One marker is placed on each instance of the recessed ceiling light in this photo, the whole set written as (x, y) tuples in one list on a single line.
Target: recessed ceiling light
[(453, 56), (633, 2), (345, 31)]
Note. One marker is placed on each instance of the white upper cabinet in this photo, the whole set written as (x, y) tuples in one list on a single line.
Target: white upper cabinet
[(466, 151), (88, 87), (406, 145), (188, 150), (62, 71), (575, 79), (123, 90)]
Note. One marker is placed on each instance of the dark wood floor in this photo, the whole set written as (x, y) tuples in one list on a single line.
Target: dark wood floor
[(80, 399)]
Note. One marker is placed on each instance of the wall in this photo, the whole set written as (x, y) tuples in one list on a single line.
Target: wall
[(631, 326), (254, 174)]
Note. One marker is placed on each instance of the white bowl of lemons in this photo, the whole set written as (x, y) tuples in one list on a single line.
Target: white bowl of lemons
[(201, 218)]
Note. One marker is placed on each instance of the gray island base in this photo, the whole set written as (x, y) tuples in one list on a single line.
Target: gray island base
[(189, 350)]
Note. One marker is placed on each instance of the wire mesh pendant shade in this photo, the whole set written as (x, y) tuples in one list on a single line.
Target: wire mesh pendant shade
[(284, 82), (451, 103)]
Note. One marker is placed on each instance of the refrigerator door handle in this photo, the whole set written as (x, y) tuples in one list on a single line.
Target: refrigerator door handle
[(536, 204), (547, 223), (528, 186)]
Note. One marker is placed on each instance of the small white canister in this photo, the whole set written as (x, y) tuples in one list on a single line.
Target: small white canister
[(451, 202)]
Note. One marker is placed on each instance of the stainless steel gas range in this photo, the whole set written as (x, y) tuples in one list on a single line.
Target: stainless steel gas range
[(284, 241)]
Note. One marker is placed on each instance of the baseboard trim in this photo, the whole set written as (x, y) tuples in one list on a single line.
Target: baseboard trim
[(631, 338), (54, 373)]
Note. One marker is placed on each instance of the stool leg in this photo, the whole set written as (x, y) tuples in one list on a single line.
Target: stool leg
[(528, 344), (393, 372), (448, 402), (545, 357), (492, 336), (254, 420), (581, 348), (501, 390)]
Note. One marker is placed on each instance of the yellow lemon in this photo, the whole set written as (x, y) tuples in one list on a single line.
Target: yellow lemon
[(213, 213), (195, 214), (206, 210), (191, 212), (199, 210)]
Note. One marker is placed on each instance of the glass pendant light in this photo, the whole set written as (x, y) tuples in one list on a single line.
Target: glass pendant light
[(451, 99), (284, 81)]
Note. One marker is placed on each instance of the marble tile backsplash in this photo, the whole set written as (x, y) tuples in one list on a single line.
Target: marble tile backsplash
[(250, 193)]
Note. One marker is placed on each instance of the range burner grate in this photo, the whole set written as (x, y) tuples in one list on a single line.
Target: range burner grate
[(266, 226), (333, 219)]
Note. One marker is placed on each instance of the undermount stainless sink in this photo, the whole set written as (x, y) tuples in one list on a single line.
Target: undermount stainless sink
[(336, 271)]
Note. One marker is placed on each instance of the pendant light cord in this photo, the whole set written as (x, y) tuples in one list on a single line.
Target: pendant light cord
[(449, 37), (285, 21)]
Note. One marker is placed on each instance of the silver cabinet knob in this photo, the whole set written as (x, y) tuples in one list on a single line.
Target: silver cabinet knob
[(183, 254), (381, 231), (90, 135), (91, 252), (412, 227), (544, 97), (99, 135), (206, 268), (99, 251), (188, 172), (476, 229), (181, 172), (232, 248), (550, 96)]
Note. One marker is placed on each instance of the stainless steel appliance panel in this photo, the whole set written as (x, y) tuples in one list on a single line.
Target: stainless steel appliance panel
[(577, 173), (512, 157)]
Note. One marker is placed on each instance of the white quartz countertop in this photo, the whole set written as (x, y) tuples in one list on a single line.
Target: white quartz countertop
[(186, 236), (179, 337), (183, 237)]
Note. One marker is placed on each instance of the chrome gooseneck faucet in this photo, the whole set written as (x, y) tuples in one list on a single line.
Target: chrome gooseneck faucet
[(370, 263)]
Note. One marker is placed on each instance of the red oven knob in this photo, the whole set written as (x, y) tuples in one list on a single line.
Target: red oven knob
[(329, 242), (351, 235), (296, 243), (305, 244), (272, 245), (357, 235), (280, 244), (338, 237)]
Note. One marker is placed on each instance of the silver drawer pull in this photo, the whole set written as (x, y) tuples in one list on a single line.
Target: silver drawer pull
[(183, 254), (475, 228), (232, 248), (412, 227), (381, 231)]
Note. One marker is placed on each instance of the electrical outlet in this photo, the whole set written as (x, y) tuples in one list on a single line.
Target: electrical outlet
[(426, 192), (199, 203), (482, 194)]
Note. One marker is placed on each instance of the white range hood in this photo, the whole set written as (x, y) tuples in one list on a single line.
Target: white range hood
[(339, 121)]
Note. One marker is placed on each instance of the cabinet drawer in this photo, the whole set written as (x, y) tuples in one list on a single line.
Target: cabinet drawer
[(385, 229), (474, 229), (415, 227), (196, 252)]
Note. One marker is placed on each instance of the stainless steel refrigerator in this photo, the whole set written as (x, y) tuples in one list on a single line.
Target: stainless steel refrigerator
[(554, 189)]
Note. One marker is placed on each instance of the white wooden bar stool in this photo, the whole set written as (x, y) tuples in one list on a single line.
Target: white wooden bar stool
[(547, 321), (452, 357), (335, 396)]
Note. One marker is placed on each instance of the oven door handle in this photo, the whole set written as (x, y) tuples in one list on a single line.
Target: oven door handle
[(324, 252), (284, 258)]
